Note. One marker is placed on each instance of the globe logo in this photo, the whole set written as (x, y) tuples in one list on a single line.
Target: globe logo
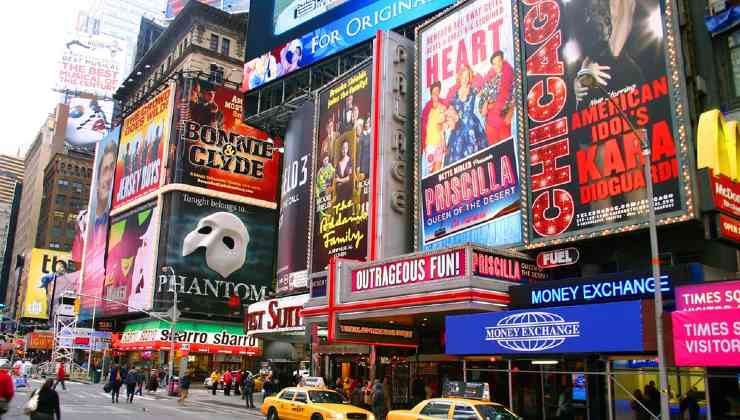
[(532, 332)]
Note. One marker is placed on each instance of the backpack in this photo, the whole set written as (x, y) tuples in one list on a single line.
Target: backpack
[(131, 378)]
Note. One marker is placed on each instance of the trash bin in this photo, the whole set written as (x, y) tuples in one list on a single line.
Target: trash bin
[(97, 374), (173, 389)]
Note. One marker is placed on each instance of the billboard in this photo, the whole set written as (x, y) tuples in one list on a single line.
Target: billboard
[(467, 124), (218, 253), (174, 7), (585, 162), (141, 152), (289, 14), (96, 231), (295, 199), (44, 268), (341, 182), (334, 30), (218, 151), (88, 120), (91, 64), (709, 296), (130, 263), (706, 337)]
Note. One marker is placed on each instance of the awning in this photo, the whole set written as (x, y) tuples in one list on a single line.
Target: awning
[(723, 21)]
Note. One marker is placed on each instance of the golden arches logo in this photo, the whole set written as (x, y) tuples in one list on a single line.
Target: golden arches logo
[(717, 144)]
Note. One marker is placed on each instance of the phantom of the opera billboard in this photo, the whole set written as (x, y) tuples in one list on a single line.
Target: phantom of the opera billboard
[(98, 214), (130, 263), (141, 152), (217, 150), (218, 254), (342, 168), (468, 128), (585, 162)]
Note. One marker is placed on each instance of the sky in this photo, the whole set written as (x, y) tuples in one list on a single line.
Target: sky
[(32, 34)]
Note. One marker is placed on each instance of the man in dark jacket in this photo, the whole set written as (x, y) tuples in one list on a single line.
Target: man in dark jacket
[(248, 386), (184, 387), (132, 377)]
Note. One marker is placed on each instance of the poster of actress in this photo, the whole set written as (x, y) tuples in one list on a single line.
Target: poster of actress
[(467, 154)]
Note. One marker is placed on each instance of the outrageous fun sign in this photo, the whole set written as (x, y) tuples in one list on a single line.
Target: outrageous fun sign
[(220, 152), (468, 95), (140, 154), (341, 176), (410, 271), (585, 163)]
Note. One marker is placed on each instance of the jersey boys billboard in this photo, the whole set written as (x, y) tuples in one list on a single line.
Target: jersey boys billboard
[(585, 163), (140, 154), (467, 159), (218, 151), (341, 177)]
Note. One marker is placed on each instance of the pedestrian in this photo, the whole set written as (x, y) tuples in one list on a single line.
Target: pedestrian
[(690, 404), (249, 390), (356, 398), (227, 382), (388, 393), (215, 377), (378, 401), (652, 397), (153, 381), (140, 377), (639, 406), (131, 379), (47, 407), (237, 382), (7, 390), (184, 387), (115, 380), (418, 390), (61, 374)]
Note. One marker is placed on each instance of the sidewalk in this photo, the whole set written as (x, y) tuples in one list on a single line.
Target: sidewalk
[(205, 396)]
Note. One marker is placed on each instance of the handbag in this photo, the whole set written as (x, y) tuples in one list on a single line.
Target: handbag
[(4, 406), (32, 404), (106, 388)]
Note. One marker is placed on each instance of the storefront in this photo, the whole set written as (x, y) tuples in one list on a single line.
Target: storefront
[(279, 325), (396, 307), (206, 346)]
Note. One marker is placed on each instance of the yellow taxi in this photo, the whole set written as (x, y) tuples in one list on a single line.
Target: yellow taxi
[(311, 403), (459, 402)]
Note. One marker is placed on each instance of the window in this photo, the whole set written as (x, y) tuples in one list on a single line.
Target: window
[(59, 200), (214, 42), (287, 395), (225, 44), (734, 43), (464, 412), (301, 397), (54, 245), (56, 232), (217, 74), (494, 412), (62, 184), (438, 409)]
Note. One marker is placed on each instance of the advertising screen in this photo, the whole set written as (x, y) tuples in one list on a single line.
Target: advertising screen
[(43, 270), (232, 6), (343, 156), (333, 28), (295, 201), (130, 263), (706, 337), (585, 162), (91, 64), (219, 254), (140, 155), (467, 128), (96, 232), (220, 152), (88, 121)]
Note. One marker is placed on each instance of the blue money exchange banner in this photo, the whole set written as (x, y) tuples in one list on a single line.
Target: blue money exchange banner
[(607, 327)]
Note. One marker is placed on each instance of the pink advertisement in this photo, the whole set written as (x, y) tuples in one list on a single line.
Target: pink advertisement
[(430, 267), (707, 338), (708, 296)]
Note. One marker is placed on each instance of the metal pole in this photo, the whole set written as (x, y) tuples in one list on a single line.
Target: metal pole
[(92, 337), (511, 390), (609, 396), (465, 371), (706, 394), (173, 325)]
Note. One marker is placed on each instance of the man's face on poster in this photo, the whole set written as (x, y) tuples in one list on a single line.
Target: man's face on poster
[(498, 64), (451, 117), (105, 181), (209, 95)]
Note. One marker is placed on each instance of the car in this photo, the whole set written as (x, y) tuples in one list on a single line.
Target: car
[(307, 403), (453, 408)]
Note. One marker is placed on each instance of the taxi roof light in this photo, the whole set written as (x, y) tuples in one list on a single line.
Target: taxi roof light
[(469, 390), (312, 382)]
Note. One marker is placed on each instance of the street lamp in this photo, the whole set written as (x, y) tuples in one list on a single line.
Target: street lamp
[(588, 78), (173, 324)]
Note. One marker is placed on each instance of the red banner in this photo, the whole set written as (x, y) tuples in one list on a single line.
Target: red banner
[(431, 267), (726, 194)]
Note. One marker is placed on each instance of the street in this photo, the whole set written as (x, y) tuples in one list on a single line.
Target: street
[(89, 402)]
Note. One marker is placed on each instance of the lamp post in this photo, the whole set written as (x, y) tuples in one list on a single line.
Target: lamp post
[(589, 79), (173, 325)]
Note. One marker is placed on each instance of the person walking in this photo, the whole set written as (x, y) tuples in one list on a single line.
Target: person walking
[(7, 390), (237, 382), (215, 377), (131, 379), (140, 378), (153, 383), (47, 407), (184, 387), (248, 390), (378, 400), (115, 380), (227, 382), (639, 406), (61, 374)]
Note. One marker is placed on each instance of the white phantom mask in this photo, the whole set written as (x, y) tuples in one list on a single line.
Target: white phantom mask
[(225, 239)]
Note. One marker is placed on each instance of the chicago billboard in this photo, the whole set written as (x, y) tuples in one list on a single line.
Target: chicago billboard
[(91, 64), (343, 156), (88, 120), (332, 28), (219, 255), (144, 134), (96, 231), (295, 201), (585, 163), (44, 268), (217, 150), (467, 126), (130, 263)]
